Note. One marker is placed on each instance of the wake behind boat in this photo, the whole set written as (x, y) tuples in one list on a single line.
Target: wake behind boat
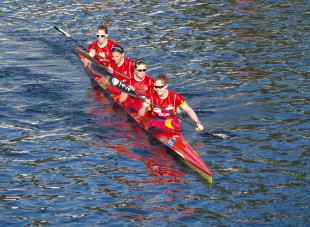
[(173, 141)]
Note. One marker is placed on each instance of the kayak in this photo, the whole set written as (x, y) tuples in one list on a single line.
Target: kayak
[(173, 141)]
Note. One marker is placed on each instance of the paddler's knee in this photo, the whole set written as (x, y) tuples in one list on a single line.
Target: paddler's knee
[(123, 97), (105, 83)]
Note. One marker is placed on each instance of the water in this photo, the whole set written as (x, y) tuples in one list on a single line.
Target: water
[(69, 157)]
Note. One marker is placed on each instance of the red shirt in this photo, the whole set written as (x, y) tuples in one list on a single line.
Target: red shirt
[(126, 68), (170, 103), (105, 51), (143, 88)]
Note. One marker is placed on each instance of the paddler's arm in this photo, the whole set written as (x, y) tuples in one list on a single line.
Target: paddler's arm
[(145, 108), (191, 113), (92, 53)]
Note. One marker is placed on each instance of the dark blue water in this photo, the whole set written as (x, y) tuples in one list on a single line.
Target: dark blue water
[(71, 158)]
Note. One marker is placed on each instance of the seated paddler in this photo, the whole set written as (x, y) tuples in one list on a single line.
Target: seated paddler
[(142, 84), (163, 105)]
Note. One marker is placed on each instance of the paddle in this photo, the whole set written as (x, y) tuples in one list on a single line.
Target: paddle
[(85, 54), (112, 80), (126, 89), (68, 36)]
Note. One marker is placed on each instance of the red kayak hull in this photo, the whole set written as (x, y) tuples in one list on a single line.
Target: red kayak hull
[(174, 141)]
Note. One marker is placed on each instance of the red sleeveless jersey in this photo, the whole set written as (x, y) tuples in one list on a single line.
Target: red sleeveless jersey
[(143, 88), (126, 69), (105, 51), (170, 104)]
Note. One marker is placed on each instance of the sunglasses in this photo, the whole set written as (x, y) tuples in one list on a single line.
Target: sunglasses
[(141, 70), (160, 87), (101, 36)]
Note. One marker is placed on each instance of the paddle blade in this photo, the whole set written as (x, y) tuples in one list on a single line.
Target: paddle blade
[(62, 31), (113, 81), (123, 87), (86, 55), (221, 135), (100, 71)]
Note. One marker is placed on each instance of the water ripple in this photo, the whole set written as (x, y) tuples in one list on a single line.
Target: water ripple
[(69, 157)]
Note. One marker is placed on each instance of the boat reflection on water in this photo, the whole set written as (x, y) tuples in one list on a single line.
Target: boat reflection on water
[(138, 192), (161, 167)]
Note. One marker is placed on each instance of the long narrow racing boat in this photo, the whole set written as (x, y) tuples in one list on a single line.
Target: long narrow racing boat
[(173, 141)]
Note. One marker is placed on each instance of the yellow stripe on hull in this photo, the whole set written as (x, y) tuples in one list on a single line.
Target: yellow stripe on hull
[(201, 173)]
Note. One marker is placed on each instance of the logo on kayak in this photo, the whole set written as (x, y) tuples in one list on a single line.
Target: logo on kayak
[(171, 142), (121, 85)]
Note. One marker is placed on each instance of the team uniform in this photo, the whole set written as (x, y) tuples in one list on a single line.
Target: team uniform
[(126, 68), (162, 120), (143, 88), (105, 51)]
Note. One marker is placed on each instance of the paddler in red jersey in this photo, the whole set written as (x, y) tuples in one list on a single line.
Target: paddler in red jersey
[(168, 101), (121, 67), (141, 83), (101, 49)]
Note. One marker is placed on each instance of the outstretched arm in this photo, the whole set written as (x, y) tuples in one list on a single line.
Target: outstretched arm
[(191, 113)]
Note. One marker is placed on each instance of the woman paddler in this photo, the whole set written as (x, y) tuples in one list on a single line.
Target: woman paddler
[(163, 118), (121, 67), (101, 49), (142, 84)]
